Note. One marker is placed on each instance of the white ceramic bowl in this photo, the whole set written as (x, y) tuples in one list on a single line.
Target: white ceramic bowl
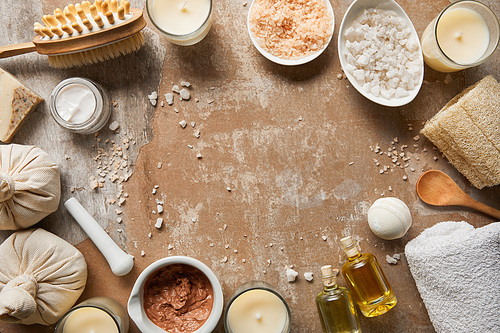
[(135, 303), (352, 13), (290, 62)]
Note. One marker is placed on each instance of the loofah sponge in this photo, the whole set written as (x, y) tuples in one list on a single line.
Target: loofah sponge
[(467, 131)]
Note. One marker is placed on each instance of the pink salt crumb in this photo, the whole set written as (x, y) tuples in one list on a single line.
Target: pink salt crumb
[(291, 29)]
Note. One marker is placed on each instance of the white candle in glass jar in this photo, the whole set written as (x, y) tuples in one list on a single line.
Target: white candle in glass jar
[(257, 310), (463, 35), (89, 320), (183, 22)]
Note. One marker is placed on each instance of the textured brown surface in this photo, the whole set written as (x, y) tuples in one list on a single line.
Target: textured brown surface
[(282, 138)]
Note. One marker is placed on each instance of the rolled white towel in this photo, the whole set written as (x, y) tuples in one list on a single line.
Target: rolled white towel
[(457, 272)]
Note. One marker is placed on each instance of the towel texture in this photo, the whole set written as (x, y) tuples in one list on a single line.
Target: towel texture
[(457, 272), (467, 131)]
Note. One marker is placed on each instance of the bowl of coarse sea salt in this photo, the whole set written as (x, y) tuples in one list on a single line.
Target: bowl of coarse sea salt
[(308, 27), (380, 52)]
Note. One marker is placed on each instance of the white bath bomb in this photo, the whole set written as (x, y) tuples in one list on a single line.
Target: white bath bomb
[(389, 218)]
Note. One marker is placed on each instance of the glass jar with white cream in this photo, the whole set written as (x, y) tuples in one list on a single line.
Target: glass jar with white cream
[(80, 105)]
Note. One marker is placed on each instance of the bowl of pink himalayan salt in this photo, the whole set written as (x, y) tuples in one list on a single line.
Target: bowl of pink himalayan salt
[(291, 32)]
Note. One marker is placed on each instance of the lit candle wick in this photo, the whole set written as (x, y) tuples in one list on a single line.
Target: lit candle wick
[(184, 5), (257, 316), (458, 35)]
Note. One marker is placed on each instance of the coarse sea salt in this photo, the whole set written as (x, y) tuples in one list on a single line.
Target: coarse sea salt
[(382, 54)]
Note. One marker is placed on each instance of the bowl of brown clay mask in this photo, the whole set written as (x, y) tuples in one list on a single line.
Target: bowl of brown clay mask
[(176, 295)]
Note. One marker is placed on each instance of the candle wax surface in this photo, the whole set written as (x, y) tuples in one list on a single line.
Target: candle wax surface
[(75, 103), (176, 19), (463, 35), (89, 320), (257, 310)]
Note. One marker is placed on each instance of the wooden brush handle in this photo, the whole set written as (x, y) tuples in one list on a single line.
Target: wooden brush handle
[(16, 49)]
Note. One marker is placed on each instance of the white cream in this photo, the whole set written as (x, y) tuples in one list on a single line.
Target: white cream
[(75, 103), (389, 218)]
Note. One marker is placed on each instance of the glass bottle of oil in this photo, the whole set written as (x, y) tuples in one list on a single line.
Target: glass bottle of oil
[(336, 308), (366, 281)]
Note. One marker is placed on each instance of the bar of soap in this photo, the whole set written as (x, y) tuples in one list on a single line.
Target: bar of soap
[(389, 218), (16, 102)]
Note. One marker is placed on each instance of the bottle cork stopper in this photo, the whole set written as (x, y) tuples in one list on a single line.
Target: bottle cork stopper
[(329, 275), (346, 241), (327, 270)]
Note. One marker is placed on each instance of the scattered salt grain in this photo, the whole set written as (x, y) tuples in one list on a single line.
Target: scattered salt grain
[(308, 276), (183, 123), (114, 126), (390, 260), (169, 97), (185, 95), (291, 275), (153, 98), (159, 223)]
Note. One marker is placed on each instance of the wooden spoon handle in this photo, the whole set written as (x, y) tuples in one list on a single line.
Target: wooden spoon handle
[(484, 208), (16, 49)]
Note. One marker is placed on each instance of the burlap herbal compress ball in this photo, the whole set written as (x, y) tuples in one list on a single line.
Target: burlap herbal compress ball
[(30, 186), (41, 277)]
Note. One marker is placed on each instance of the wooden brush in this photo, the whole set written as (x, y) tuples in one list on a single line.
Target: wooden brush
[(85, 33)]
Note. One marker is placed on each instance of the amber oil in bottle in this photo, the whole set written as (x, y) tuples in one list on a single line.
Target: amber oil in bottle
[(366, 281), (335, 305)]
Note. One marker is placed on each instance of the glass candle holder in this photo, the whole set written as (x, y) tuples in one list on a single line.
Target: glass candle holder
[(182, 22), (463, 35), (80, 105), (97, 315), (257, 307)]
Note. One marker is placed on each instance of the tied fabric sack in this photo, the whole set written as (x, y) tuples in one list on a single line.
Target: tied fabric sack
[(41, 277), (30, 186)]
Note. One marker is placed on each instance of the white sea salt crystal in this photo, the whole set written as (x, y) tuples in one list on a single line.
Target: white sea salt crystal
[(169, 97), (291, 275)]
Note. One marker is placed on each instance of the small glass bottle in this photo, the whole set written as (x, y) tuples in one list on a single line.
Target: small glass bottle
[(366, 280), (336, 308)]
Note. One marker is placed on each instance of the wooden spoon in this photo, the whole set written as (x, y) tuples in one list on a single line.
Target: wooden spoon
[(437, 188)]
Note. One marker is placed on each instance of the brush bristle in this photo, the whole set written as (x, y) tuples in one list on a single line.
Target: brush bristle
[(102, 53)]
